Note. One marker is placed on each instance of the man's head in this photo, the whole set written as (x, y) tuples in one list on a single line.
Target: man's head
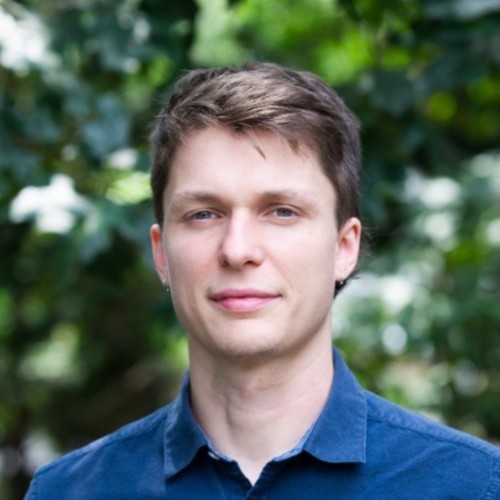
[(297, 106), (250, 246)]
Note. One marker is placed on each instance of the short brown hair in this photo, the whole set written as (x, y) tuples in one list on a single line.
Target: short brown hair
[(295, 105)]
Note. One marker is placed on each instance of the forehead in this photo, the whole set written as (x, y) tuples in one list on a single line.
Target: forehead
[(219, 156)]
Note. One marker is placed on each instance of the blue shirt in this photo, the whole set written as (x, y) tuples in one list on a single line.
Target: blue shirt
[(361, 447)]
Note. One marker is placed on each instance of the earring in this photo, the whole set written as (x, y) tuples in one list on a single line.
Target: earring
[(338, 286), (340, 283), (167, 288)]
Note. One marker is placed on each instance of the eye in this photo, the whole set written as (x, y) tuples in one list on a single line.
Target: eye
[(284, 212), (202, 215)]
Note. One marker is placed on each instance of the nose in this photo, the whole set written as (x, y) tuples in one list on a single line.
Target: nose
[(241, 244)]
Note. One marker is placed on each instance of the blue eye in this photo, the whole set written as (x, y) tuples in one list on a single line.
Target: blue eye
[(284, 212), (202, 215)]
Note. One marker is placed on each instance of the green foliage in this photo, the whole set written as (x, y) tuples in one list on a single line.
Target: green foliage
[(88, 340)]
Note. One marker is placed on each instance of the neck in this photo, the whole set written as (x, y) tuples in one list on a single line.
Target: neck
[(256, 411)]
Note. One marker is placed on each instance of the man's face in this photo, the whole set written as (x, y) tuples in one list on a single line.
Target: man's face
[(250, 247)]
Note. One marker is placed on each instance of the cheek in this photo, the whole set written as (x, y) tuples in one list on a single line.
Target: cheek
[(318, 258), (307, 263), (315, 248), (187, 262)]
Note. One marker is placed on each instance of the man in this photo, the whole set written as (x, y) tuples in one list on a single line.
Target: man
[(255, 177)]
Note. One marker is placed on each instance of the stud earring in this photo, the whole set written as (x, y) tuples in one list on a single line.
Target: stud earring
[(338, 286)]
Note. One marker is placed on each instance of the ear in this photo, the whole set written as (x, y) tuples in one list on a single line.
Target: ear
[(348, 243), (159, 255)]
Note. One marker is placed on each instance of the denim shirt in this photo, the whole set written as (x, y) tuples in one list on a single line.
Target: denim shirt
[(361, 447)]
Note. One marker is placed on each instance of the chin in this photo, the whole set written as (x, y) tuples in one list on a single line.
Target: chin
[(251, 349)]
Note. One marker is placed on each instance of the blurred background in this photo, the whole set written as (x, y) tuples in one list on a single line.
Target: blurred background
[(88, 340)]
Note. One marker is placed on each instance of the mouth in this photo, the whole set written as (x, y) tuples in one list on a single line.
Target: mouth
[(243, 300)]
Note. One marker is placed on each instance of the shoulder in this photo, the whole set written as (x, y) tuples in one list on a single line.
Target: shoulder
[(417, 426), (130, 432), (419, 444), (139, 441)]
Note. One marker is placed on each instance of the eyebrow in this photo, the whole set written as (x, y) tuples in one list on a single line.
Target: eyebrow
[(184, 197), (277, 195), (288, 194)]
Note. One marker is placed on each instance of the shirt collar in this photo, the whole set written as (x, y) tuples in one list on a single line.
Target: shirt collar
[(338, 436), (183, 438)]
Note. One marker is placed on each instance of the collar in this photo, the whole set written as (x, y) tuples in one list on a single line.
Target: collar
[(338, 436), (183, 438)]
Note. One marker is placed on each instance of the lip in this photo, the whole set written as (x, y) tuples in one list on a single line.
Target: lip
[(243, 299)]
